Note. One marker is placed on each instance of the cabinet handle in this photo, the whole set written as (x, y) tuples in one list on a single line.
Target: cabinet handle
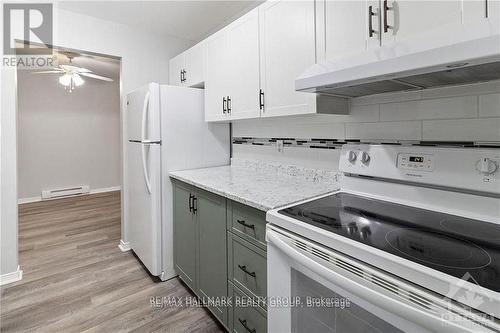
[(224, 105), (244, 269), (486, 13), (386, 9), (370, 21), (228, 104), (243, 323), (184, 75), (190, 202), (242, 222), (182, 80), (195, 205), (261, 99)]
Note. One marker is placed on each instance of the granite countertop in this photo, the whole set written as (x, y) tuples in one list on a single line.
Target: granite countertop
[(261, 185)]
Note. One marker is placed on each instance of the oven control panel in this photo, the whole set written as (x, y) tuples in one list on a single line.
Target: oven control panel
[(475, 169), (419, 162)]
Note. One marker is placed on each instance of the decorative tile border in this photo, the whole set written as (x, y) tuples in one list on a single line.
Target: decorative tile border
[(337, 144)]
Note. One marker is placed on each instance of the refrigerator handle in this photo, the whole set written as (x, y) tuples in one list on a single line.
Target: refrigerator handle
[(145, 110)]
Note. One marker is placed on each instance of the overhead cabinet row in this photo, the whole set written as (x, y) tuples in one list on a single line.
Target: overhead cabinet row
[(353, 27), (251, 64)]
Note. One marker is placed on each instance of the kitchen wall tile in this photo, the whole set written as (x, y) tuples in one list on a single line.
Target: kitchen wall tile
[(486, 129), (463, 90), (312, 158), (489, 105), (442, 108), (397, 130)]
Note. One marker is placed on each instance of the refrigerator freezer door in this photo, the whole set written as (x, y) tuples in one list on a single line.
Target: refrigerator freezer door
[(143, 113)]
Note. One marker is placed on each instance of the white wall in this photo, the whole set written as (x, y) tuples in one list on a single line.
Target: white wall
[(144, 59), (465, 113), (67, 139)]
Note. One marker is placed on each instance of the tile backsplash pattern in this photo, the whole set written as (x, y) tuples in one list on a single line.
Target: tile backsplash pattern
[(468, 113)]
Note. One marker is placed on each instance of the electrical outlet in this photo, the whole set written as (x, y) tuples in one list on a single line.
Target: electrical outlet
[(279, 145)]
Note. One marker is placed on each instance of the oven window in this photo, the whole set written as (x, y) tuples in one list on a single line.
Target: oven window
[(323, 310)]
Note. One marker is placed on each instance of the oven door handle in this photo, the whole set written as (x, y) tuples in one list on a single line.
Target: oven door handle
[(389, 304)]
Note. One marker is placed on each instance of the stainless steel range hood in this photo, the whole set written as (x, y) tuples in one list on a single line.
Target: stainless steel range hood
[(467, 62)]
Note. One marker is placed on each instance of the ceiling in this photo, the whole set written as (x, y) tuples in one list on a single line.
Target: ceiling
[(190, 20)]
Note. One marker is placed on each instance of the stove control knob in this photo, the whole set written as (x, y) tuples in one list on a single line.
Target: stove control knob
[(365, 158), (352, 156), (486, 166)]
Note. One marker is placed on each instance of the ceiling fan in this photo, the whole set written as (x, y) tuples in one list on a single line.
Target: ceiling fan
[(71, 76)]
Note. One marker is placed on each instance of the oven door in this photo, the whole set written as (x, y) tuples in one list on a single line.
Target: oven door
[(315, 289)]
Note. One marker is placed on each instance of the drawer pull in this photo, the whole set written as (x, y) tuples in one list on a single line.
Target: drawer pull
[(243, 323), (242, 222), (244, 269)]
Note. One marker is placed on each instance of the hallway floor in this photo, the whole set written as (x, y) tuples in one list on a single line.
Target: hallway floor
[(75, 279)]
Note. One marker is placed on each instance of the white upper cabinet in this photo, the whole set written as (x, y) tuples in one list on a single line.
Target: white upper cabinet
[(405, 20), (187, 69), (216, 77), (243, 67), (350, 27), (194, 68), (481, 11), (287, 48), (176, 66)]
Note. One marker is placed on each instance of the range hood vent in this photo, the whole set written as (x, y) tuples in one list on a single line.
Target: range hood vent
[(465, 63)]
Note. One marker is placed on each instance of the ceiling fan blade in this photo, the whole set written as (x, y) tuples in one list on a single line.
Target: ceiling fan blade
[(48, 72), (98, 77)]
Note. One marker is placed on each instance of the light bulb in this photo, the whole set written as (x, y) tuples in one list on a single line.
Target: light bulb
[(77, 80), (65, 80)]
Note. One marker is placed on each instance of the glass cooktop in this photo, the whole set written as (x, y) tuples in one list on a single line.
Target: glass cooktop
[(451, 244)]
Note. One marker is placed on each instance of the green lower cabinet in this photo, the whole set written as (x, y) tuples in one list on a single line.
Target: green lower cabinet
[(200, 248), (247, 266), (245, 315), (220, 253), (212, 267), (184, 234)]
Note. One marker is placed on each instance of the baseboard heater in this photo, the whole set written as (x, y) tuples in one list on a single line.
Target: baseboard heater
[(65, 192)]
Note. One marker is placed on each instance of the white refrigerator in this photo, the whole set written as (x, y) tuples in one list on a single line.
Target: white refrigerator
[(166, 131)]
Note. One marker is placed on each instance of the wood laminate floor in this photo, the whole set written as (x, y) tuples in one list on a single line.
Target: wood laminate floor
[(77, 280)]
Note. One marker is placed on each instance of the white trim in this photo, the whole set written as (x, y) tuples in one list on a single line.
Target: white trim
[(28, 200), (105, 189), (6, 278), (95, 191), (124, 246)]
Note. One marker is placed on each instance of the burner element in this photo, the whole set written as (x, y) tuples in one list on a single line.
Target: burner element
[(437, 248)]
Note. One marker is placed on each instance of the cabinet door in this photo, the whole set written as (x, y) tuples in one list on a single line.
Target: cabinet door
[(176, 65), (481, 11), (194, 66), (243, 41), (212, 263), (216, 76), (420, 21), (287, 48), (184, 235), (347, 28)]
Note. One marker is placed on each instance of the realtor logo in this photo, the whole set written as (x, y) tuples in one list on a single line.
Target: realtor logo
[(27, 22)]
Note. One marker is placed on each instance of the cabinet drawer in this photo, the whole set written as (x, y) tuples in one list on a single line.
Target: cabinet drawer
[(246, 316), (247, 265), (248, 223)]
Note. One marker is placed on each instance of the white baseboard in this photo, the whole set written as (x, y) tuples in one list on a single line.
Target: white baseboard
[(94, 191), (28, 200), (6, 278), (124, 246), (105, 189)]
